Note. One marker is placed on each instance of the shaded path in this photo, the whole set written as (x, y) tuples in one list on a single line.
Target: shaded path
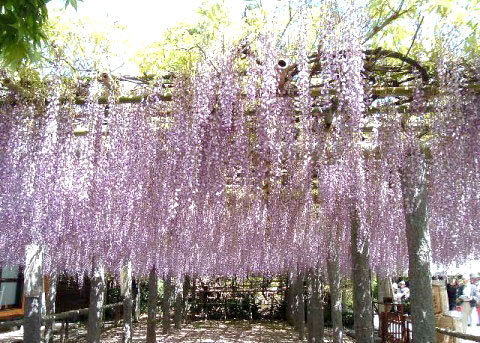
[(197, 332), (220, 332)]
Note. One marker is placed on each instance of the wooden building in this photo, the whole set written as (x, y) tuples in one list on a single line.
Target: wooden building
[(72, 293), (11, 292)]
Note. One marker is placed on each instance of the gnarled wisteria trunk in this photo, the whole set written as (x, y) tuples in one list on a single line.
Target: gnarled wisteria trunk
[(95, 309), (51, 296), (152, 306), (362, 297), (419, 247), (334, 281), (315, 316)]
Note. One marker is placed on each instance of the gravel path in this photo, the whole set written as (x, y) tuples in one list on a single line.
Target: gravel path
[(197, 332), (220, 332)]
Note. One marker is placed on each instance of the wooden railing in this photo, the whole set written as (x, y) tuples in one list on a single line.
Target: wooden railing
[(56, 316), (456, 334), (395, 326)]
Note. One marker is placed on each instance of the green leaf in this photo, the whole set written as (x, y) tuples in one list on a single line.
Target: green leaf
[(74, 4)]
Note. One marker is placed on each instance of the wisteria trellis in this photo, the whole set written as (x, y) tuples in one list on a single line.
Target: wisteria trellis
[(234, 177)]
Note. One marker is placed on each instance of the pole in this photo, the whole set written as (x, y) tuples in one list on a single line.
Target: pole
[(33, 289), (97, 294), (126, 285)]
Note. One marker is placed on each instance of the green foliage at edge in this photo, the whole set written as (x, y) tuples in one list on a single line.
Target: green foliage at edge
[(22, 29)]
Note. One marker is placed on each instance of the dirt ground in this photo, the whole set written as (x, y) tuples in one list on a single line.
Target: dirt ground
[(220, 332), (197, 332)]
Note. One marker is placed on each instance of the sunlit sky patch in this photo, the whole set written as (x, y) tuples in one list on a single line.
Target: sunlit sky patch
[(145, 20)]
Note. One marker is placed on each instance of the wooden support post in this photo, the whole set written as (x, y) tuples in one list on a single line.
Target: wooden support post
[(152, 306), (300, 307), (333, 270), (186, 291), (62, 332), (272, 307), (95, 310), (66, 330), (315, 316), (177, 319), (126, 288), (33, 290), (167, 288), (414, 182), (225, 309), (50, 306), (362, 297), (250, 314), (138, 294), (289, 299)]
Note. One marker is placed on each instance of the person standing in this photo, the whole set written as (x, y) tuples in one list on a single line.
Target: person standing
[(452, 291), (469, 298), (476, 282), (403, 292)]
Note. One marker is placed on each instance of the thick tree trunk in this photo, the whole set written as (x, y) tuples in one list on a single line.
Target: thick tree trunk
[(177, 319), (127, 303), (50, 307), (97, 294), (152, 306), (362, 297), (315, 308), (419, 249), (167, 288), (334, 280), (300, 307), (33, 290)]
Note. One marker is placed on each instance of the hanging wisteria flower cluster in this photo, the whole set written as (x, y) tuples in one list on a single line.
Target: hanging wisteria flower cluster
[(235, 175)]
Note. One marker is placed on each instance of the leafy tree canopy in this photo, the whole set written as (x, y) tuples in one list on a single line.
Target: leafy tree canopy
[(22, 29), (416, 28)]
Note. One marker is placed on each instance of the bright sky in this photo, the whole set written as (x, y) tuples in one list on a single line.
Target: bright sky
[(468, 267), (145, 20)]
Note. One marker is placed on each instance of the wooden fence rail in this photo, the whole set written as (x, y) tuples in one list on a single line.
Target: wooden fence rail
[(456, 334), (395, 327), (56, 316)]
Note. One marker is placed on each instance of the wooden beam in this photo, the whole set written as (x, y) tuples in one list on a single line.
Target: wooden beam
[(456, 334), (57, 316), (379, 92)]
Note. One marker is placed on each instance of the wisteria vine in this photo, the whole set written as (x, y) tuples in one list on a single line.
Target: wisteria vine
[(233, 176)]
